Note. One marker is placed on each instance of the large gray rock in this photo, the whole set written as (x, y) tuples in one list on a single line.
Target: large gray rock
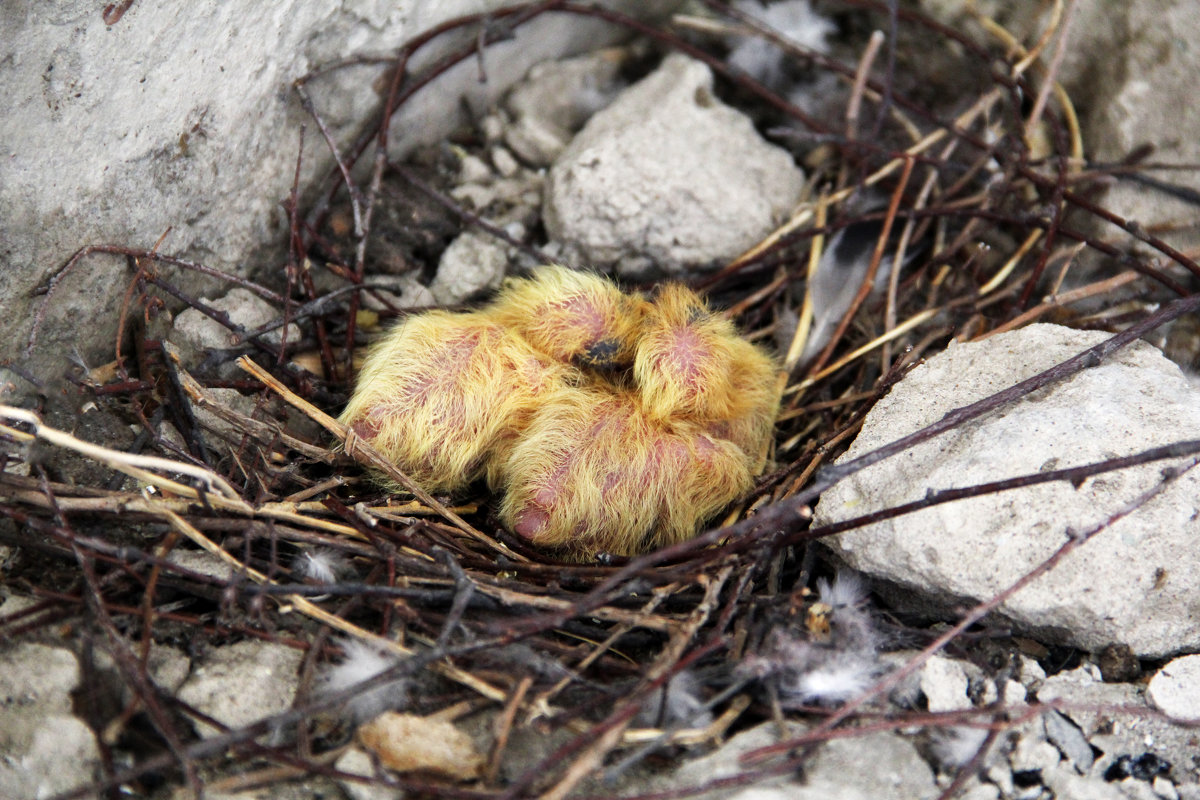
[(44, 748), (1136, 582), (115, 133), (668, 176)]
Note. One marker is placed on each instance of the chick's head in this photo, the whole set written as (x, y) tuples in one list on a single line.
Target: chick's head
[(575, 317), (692, 363)]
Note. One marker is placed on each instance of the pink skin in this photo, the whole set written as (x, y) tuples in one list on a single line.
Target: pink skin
[(679, 356), (535, 517), (585, 316), (368, 428)]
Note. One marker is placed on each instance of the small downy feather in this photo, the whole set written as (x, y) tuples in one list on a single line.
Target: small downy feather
[(362, 661), (844, 265), (831, 681), (677, 703), (321, 565), (796, 21), (954, 747), (848, 590)]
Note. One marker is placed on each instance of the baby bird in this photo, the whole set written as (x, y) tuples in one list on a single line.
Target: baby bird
[(691, 365), (444, 395), (595, 472), (609, 422)]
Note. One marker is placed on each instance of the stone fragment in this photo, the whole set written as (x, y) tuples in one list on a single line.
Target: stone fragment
[(1070, 741), (554, 101), (242, 683), (835, 772), (356, 761), (472, 264), (1175, 689), (944, 683), (1135, 739), (44, 748), (666, 177), (1134, 582)]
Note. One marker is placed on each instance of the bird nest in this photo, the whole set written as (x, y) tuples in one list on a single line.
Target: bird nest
[(980, 190)]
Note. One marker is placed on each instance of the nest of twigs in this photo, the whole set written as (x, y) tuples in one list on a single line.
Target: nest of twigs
[(986, 198)]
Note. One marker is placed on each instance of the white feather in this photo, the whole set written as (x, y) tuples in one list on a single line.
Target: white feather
[(363, 661), (321, 565), (794, 20), (954, 747), (848, 590), (680, 703), (836, 680)]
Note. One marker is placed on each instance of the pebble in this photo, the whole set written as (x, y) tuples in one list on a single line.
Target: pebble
[(1175, 689), (242, 683), (666, 177)]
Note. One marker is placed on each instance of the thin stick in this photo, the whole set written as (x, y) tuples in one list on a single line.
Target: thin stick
[(319, 614), (368, 456), (137, 466)]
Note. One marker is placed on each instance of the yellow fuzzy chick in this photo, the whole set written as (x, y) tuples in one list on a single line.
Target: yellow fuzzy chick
[(692, 365), (445, 394), (575, 317), (594, 472), (609, 422)]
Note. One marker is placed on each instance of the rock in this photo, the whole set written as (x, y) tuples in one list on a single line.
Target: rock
[(212, 146), (1137, 76), (1117, 735), (504, 161), (242, 683), (1070, 741), (944, 683), (896, 770), (1164, 789), (725, 761), (1131, 583), (358, 762), (981, 791), (473, 263), (1065, 783), (1129, 69), (554, 101), (666, 177), (168, 667), (195, 332), (1175, 689), (835, 771), (1033, 754), (11, 603), (46, 749)]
